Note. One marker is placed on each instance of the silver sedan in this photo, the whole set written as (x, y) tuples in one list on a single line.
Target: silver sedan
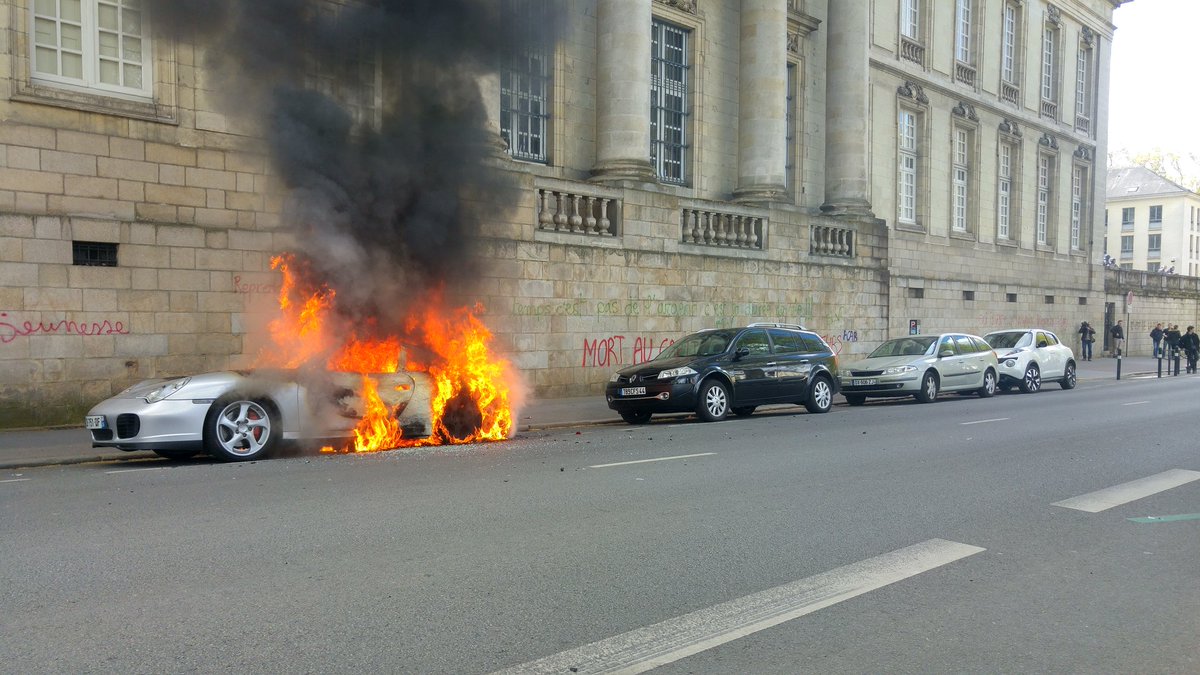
[(243, 415), (921, 366)]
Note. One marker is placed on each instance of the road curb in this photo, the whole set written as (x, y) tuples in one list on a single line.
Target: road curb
[(77, 459)]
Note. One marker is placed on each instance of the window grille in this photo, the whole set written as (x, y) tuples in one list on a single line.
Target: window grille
[(525, 84), (94, 254), (98, 44), (1008, 56), (668, 101), (1004, 202), (907, 189), (1043, 199), (960, 180)]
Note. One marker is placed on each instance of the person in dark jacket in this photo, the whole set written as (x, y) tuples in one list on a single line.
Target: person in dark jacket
[(1117, 333), (1171, 337), (1087, 335), (1189, 342), (1157, 335)]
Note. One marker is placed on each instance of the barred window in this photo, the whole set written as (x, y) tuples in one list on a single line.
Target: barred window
[(962, 33), (1004, 192), (1049, 64), (352, 78), (525, 83), (94, 253), (960, 180), (97, 44), (1045, 179), (669, 84), (1078, 204), (1008, 52)]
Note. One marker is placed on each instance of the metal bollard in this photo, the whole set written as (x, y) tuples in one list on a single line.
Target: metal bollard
[(1176, 355), (1160, 363), (1118, 364)]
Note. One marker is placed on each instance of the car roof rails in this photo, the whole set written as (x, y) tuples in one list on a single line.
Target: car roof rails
[(772, 324)]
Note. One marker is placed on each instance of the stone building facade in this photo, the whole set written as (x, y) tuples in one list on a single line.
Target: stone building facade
[(857, 166), (1151, 223)]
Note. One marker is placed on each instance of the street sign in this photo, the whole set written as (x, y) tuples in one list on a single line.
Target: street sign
[(1129, 301)]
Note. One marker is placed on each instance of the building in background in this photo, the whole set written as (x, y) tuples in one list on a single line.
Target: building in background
[(1151, 223), (867, 168)]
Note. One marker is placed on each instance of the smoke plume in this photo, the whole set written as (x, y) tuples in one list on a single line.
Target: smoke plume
[(374, 122)]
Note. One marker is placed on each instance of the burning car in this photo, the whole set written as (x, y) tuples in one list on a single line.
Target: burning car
[(245, 415)]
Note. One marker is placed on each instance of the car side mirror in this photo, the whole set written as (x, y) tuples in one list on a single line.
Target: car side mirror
[(945, 351), (741, 353)]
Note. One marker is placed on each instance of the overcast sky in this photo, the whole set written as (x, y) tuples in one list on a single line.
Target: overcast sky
[(1155, 97)]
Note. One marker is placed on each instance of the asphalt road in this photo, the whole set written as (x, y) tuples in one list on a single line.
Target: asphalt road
[(785, 545)]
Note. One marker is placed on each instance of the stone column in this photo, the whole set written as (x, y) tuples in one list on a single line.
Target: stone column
[(762, 112), (623, 91), (846, 90)]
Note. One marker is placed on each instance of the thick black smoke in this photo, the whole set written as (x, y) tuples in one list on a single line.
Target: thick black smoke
[(386, 210)]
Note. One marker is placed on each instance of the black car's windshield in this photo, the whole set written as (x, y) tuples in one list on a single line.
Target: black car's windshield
[(907, 346), (708, 343), (1009, 339)]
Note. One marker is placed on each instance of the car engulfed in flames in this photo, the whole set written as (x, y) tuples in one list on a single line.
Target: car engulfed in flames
[(321, 378)]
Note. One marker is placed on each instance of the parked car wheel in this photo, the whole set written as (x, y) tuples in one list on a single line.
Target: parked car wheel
[(176, 454), (1069, 377), (988, 389), (239, 429), (855, 399), (714, 401), (820, 396), (929, 388), (638, 417), (1032, 380), (745, 411)]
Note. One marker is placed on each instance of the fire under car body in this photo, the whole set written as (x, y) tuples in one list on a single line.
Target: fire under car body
[(243, 415)]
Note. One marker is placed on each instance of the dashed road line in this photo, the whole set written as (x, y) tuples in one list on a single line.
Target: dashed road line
[(1135, 403), (996, 419), (1100, 500), (149, 468), (13, 480), (668, 641), (656, 459), (1166, 519)]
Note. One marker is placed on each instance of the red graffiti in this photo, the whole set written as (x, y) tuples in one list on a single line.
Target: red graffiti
[(610, 351), (12, 331)]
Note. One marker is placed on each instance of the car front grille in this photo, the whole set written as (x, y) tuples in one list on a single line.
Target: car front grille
[(128, 425), (866, 373), (102, 434)]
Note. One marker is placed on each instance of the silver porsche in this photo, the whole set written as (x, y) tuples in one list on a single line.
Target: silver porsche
[(240, 415)]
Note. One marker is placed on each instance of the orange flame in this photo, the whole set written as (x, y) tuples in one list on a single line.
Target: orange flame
[(471, 397)]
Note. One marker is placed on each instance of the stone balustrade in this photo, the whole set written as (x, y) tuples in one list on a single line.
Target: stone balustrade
[(1009, 93), (1049, 109), (911, 50), (1149, 282), (1083, 123), (964, 73), (729, 229), (577, 211), (831, 240)]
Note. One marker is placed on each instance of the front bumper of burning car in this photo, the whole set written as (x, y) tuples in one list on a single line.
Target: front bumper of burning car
[(666, 396), (132, 424)]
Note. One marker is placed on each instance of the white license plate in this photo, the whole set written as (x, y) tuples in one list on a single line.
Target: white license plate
[(863, 383), (633, 391), (95, 422)]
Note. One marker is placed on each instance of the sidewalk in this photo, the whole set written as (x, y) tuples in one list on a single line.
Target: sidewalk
[(46, 447)]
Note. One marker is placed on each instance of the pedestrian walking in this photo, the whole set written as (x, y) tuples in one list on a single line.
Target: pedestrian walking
[(1087, 335), (1171, 338), (1157, 335), (1190, 343), (1117, 332)]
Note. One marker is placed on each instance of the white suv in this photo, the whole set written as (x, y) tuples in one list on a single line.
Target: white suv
[(1029, 355)]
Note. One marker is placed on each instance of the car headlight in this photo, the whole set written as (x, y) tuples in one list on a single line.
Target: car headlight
[(614, 377), (672, 373), (844, 373), (900, 370), (1010, 363), (167, 389)]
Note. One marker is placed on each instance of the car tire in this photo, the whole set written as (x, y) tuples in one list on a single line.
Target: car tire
[(855, 399), (744, 411), (1069, 376), (929, 388), (176, 454), (1031, 381), (820, 396), (638, 417), (239, 429), (988, 389), (713, 405)]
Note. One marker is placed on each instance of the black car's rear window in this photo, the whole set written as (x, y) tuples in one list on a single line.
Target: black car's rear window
[(786, 342), (814, 344)]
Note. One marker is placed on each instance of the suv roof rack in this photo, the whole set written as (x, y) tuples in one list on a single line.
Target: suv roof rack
[(772, 324)]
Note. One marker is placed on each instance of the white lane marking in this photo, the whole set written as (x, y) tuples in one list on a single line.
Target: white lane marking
[(998, 419), (656, 459), (659, 644), (1135, 403), (1100, 500), (13, 480), (149, 468)]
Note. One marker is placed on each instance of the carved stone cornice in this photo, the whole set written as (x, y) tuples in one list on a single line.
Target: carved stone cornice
[(1053, 15), (800, 23), (965, 111), (1048, 141), (1088, 36), (688, 6), (1010, 128), (913, 92)]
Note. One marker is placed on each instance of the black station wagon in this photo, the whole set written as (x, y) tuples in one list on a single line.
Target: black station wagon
[(723, 370)]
